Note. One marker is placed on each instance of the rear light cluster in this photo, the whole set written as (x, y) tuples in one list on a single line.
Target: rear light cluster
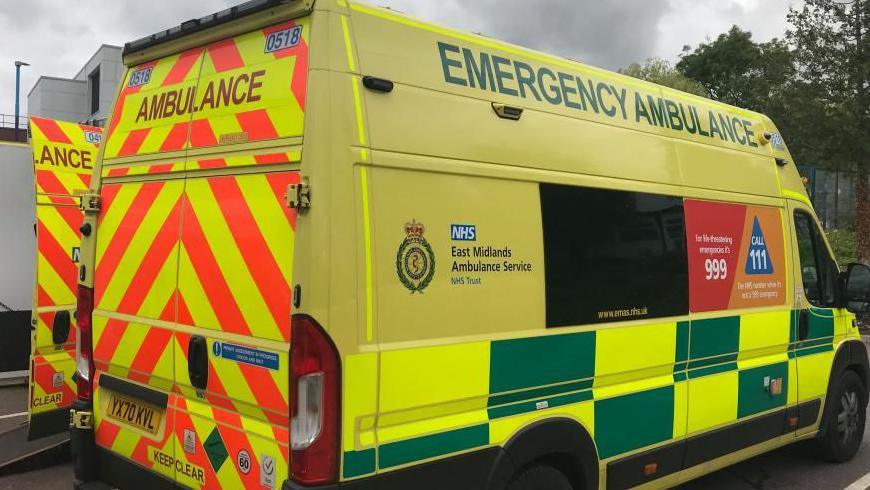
[(315, 372), (85, 343)]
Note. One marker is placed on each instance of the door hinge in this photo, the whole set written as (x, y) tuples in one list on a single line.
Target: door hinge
[(298, 196), (81, 420), (91, 203)]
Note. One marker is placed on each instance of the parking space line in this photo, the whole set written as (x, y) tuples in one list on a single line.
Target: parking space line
[(9, 416), (860, 484)]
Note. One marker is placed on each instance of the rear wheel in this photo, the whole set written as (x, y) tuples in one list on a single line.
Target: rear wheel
[(844, 424), (540, 477)]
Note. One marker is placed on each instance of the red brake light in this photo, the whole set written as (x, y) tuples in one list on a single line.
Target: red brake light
[(315, 371), (84, 343)]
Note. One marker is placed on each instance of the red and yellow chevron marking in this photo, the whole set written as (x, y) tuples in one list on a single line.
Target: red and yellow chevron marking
[(231, 91), (137, 249), (132, 133), (135, 351), (63, 157), (142, 169), (246, 160), (51, 381), (232, 261), (235, 434), (236, 254), (132, 443)]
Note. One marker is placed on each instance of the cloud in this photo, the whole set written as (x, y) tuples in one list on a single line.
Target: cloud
[(57, 41)]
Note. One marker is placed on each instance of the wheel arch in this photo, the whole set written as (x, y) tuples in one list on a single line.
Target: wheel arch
[(559, 441), (852, 356)]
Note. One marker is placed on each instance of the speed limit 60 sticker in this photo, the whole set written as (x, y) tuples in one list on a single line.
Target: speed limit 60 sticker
[(736, 256)]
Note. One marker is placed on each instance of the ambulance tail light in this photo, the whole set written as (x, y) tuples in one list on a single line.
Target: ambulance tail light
[(314, 407), (84, 343)]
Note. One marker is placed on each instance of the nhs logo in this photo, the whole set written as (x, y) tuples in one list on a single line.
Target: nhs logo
[(465, 233)]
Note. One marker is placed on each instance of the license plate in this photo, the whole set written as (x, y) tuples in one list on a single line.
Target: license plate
[(134, 413)]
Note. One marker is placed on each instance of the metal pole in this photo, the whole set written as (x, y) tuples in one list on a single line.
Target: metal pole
[(18, 65), (17, 89)]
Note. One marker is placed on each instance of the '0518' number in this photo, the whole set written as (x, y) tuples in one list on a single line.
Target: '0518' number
[(284, 39), (716, 269)]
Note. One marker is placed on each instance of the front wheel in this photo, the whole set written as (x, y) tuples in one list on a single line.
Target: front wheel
[(540, 477), (844, 425)]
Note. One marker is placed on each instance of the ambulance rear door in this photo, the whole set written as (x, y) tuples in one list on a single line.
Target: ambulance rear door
[(63, 157)]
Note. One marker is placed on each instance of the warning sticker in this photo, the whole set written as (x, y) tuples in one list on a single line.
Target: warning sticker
[(736, 256), (247, 355)]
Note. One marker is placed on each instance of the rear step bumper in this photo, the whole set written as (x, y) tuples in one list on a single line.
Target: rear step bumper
[(467, 471)]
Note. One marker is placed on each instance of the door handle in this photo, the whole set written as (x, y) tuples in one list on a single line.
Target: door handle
[(197, 362), (803, 325), (60, 327)]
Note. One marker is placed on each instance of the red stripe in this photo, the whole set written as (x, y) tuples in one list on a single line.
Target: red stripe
[(107, 432), (176, 138), (59, 258), (271, 158), (50, 184), (279, 183), (265, 390), (225, 55), (255, 251), (51, 130), (118, 172), (42, 297), (212, 163), (257, 124), (183, 312), (107, 196), (109, 340), (123, 235), (122, 98), (133, 142), (210, 276), (160, 168), (201, 134), (157, 255), (43, 375), (153, 346), (182, 67)]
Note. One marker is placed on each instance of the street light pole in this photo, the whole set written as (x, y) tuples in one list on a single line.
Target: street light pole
[(18, 65)]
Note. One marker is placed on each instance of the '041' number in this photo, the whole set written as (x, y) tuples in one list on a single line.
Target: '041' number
[(716, 269)]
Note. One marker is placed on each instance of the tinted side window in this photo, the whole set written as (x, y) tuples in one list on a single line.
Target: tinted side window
[(818, 271), (612, 255)]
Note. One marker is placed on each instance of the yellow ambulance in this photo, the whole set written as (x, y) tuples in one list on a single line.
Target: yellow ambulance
[(330, 246), (63, 160)]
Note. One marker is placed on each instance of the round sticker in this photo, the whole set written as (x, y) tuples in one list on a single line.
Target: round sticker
[(244, 462)]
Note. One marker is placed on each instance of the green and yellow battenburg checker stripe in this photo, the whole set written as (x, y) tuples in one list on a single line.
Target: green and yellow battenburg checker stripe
[(628, 386)]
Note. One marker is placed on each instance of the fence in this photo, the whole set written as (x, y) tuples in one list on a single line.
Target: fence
[(833, 195), (8, 121)]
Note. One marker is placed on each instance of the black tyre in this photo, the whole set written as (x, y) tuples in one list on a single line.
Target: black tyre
[(540, 477), (843, 426)]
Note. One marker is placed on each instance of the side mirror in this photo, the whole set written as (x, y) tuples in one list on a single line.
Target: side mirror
[(856, 288)]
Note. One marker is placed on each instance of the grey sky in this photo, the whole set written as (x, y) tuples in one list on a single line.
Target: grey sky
[(57, 37)]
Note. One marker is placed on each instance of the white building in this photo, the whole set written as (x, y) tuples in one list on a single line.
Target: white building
[(85, 98)]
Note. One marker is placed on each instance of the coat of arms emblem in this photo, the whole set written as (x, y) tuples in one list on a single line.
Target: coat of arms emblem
[(415, 260)]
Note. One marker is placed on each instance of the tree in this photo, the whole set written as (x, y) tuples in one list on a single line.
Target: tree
[(738, 71), (659, 71), (831, 48)]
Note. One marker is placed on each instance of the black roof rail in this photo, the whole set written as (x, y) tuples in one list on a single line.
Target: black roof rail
[(196, 25)]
